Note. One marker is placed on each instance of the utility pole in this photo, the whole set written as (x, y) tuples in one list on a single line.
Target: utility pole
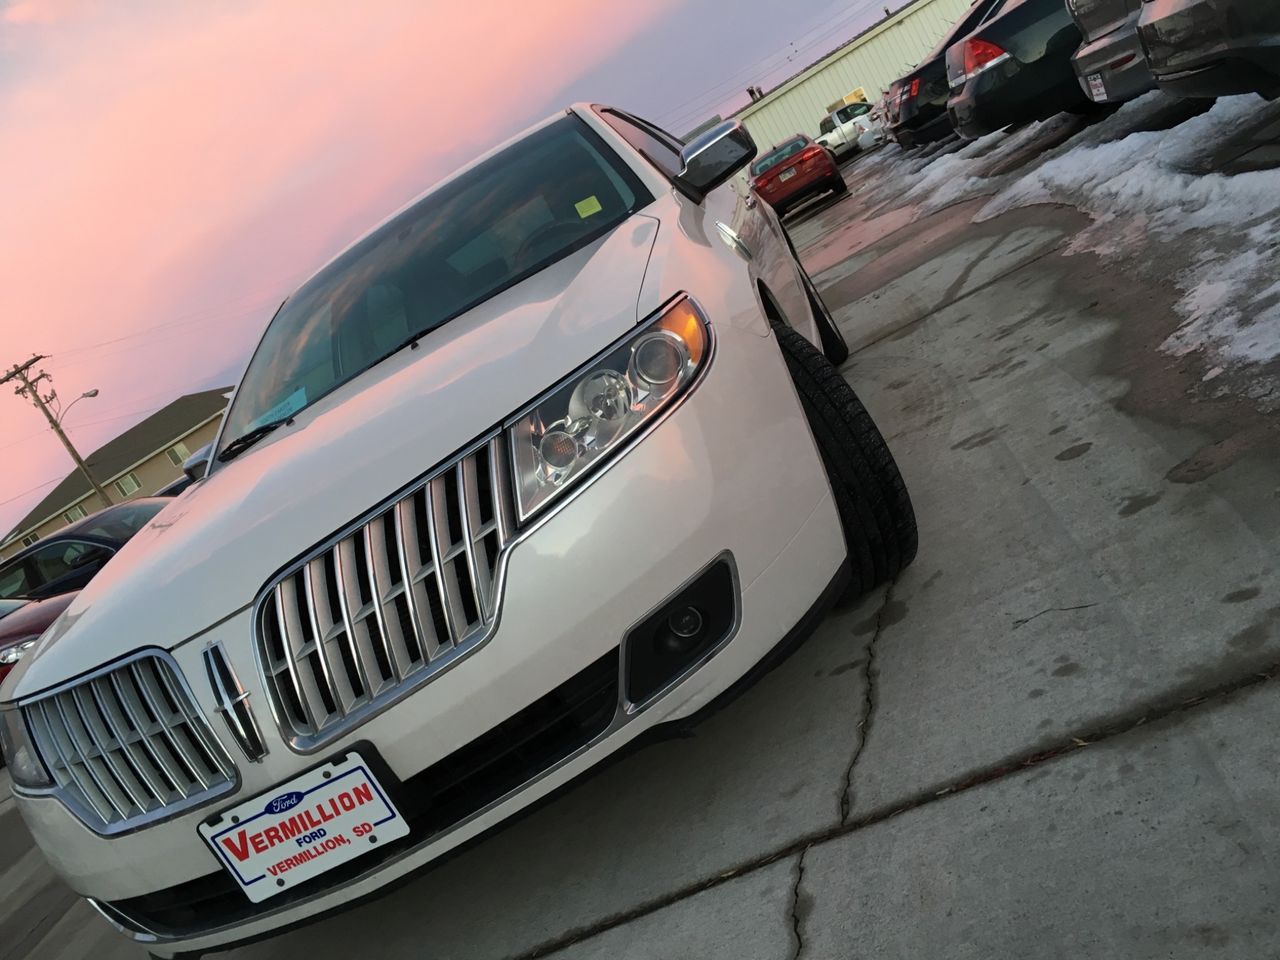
[(29, 387)]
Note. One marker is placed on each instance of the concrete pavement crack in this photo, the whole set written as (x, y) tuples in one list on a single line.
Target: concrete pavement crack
[(799, 907), (1023, 621), (868, 708), (1165, 708)]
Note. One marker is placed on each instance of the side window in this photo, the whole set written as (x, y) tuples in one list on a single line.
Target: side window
[(14, 581), (57, 559), (659, 148)]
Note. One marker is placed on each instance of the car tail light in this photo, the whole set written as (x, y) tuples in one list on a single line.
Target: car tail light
[(811, 153), (915, 87), (979, 55)]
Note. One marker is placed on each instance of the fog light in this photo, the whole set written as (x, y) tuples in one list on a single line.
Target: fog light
[(686, 623)]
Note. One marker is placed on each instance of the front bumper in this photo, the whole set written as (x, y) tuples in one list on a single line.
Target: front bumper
[(1116, 59), (731, 471)]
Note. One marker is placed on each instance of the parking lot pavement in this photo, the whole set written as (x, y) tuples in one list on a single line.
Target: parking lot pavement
[(1045, 739)]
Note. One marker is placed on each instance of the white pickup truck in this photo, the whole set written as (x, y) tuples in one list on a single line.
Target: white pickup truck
[(850, 130)]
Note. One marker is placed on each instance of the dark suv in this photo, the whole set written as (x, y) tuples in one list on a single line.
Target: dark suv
[(1213, 48)]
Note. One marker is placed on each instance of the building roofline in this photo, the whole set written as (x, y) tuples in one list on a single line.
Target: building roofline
[(864, 37)]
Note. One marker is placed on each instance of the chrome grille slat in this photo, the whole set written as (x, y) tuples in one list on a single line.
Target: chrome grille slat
[(127, 744), (389, 631), (326, 629), (465, 476), (354, 615), (412, 573), (447, 585), (390, 600)]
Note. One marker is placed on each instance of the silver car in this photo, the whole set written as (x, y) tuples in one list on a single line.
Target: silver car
[(1110, 63)]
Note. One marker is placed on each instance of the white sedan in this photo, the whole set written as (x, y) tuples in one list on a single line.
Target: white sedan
[(553, 457)]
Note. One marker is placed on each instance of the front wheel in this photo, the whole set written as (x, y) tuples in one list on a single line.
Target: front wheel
[(871, 498)]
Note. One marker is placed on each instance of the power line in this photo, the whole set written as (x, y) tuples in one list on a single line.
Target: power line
[(47, 483)]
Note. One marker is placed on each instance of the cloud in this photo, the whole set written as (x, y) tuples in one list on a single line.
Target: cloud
[(186, 164)]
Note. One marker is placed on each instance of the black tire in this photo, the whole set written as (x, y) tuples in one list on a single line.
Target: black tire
[(840, 187), (875, 509)]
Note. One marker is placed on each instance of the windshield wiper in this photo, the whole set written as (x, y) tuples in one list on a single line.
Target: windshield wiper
[(242, 443)]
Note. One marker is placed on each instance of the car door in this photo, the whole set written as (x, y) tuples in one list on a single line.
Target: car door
[(61, 566)]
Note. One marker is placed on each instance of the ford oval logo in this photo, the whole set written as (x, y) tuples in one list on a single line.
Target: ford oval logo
[(286, 801)]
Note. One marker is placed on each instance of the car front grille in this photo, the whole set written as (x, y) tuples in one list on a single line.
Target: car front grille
[(127, 745), (387, 603)]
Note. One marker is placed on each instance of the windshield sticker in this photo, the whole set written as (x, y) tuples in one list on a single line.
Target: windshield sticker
[(588, 207), (286, 407)]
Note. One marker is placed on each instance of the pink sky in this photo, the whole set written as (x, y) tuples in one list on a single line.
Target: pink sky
[(188, 164), (170, 171)]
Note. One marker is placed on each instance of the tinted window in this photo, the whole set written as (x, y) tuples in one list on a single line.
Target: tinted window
[(552, 193), (659, 148), (14, 581), (57, 559), (784, 152), (120, 523)]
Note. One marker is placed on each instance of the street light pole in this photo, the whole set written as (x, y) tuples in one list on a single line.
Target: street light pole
[(28, 387)]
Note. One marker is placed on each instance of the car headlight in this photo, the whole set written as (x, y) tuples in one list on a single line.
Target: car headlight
[(597, 410), (20, 754), (11, 655)]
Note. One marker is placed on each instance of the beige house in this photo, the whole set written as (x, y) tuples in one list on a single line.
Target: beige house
[(139, 463)]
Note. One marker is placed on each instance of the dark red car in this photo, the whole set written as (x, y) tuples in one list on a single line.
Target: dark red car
[(794, 171), (22, 621)]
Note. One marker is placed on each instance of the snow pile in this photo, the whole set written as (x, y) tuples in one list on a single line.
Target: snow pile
[(1148, 184)]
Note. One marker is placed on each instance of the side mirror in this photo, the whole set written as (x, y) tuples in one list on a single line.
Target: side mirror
[(197, 465), (710, 159), (93, 557)]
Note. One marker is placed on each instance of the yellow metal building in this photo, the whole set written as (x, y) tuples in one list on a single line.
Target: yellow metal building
[(872, 61)]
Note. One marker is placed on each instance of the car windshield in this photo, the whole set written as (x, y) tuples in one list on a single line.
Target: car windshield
[(516, 213), (845, 114), (119, 523), (784, 152)]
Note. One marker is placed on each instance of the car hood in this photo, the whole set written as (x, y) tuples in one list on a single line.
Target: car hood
[(207, 555)]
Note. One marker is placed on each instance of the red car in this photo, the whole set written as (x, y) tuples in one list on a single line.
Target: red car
[(21, 623), (794, 171)]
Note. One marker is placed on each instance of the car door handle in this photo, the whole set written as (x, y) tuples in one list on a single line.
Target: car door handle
[(733, 240)]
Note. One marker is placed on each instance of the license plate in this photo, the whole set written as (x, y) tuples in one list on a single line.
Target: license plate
[(787, 174), (1097, 88), (303, 828)]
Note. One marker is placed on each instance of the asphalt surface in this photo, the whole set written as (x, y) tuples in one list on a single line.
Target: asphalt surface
[(1051, 737)]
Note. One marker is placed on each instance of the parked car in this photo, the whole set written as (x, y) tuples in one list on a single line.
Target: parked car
[(1110, 65), (70, 558), (795, 171), (850, 130), (921, 106), (24, 623), (1016, 67), (1213, 48), (550, 458)]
